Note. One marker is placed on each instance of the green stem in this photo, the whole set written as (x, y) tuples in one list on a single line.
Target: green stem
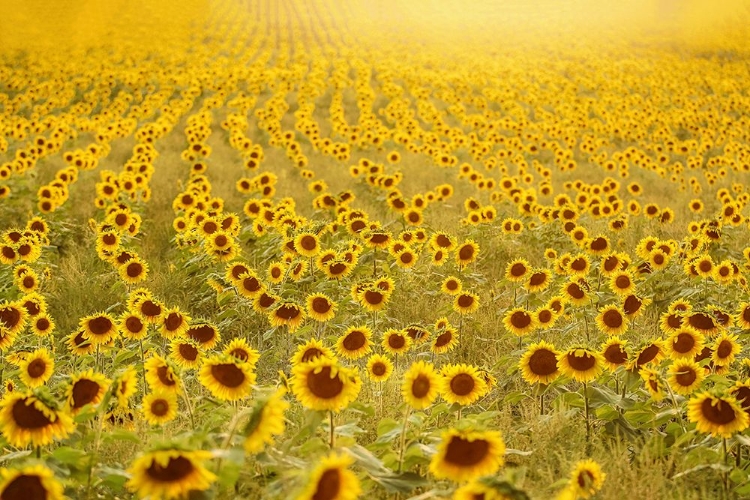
[(332, 440), (403, 439), (588, 421)]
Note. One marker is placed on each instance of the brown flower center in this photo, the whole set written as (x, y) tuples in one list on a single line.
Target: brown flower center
[(581, 363), (322, 385), (543, 362), (612, 319), (100, 325), (159, 407), (228, 375), (615, 354), (28, 416), (287, 312), (396, 341), (329, 485), (36, 368), (25, 487), (520, 319), (202, 333), (379, 369), (176, 469), (686, 376), (321, 305), (462, 384), (354, 340), (421, 386), (721, 413), (84, 392), (466, 453)]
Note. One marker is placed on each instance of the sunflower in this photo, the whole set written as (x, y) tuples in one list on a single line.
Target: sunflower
[(226, 378), (99, 329), (652, 351), (717, 414), (396, 342), (685, 376), (151, 310), (622, 282), (331, 479), (13, 318), (586, 479), (204, 333), (538, 280), (354, 342), (33, 482), (125, 386), (185, 353), (42, 325), (441, 240), (703, 322), (463, 455), (307, 244), (320, 307), (466, 253), (653, 383), (266, 421), (575, 291), (86, 388), (160, 407), (379, 368), (517, 270), (133, 271), (613, 353), (324, 384), (742, 318), (287, 313), (519, 321), (685, 343), (741, 391), (446, 339), (580, 363), (466, 302), (160, 375), (240, 350), (310, 350), (611, 320), (175, 323), (633, 306), (373, 298), (249, 285), (725, 349), (77, 343), (461, 384), (36, 368), (169, 473), (27, 420), (545, 317), (539, 363)]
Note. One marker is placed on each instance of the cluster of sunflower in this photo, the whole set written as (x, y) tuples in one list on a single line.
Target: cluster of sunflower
[(460, 174)]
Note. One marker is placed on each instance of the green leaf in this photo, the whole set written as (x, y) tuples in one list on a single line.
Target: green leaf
[(72, 457), (399, 483), (121, 435), (8, 457), (113, 477)]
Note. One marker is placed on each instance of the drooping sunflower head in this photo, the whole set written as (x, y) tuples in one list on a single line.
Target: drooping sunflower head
[(266, 421)]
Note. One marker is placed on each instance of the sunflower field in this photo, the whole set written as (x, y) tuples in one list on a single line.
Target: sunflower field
[(326, 250)]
